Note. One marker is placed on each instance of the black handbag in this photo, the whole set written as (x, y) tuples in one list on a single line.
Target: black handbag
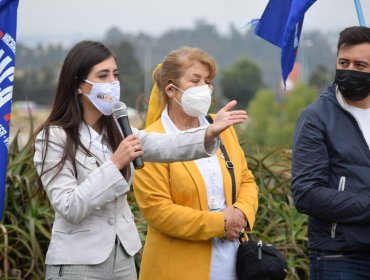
[(255, 260), (259, 260)]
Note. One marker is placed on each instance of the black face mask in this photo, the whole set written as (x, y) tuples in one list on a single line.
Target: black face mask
[(353, 85)]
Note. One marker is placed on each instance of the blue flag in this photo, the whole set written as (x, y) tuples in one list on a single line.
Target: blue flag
[(8, 26), (281, 25)]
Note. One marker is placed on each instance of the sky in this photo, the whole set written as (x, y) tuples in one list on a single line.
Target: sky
[(74, 20)]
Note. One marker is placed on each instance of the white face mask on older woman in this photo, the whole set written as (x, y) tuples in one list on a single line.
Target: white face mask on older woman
[(195, 101)]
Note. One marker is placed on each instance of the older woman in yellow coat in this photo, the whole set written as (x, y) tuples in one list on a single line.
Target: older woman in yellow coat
[(192, 224)]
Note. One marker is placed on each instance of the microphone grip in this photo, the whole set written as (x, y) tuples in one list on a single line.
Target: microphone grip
[(138, 163), (126, 131)]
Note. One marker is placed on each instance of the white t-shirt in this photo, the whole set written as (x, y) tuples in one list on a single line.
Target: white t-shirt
[(362, 116), (223, 262), (363, 119)]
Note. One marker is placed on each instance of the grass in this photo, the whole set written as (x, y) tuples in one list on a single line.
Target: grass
[(278, 222)]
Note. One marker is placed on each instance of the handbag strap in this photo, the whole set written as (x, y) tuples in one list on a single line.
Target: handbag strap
[(243, 237), (229, 164)]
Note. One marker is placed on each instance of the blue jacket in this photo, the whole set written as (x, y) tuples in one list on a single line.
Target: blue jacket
[(331, 176)]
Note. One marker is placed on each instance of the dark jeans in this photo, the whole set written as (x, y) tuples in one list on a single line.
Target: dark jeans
[(337, 266)]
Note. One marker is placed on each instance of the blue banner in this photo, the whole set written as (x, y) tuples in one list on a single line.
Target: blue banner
[(8, 27), (281, 25)]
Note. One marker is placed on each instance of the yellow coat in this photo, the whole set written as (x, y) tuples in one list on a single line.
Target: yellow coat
[(173, 199)]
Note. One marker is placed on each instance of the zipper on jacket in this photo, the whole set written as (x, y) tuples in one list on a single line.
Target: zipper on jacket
[(342, 183), (259, 249)]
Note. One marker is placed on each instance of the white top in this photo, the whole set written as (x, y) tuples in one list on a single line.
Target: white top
[(223, 262), (362, 116), (98, 142)]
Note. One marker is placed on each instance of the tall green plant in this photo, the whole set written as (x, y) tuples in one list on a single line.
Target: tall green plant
[(27, 219), (278, 222), (272, 121)]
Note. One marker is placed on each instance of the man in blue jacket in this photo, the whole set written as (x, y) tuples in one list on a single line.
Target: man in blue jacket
[(331, 166)]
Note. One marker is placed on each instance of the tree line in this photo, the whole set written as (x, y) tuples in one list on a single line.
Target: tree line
[(249, 71)]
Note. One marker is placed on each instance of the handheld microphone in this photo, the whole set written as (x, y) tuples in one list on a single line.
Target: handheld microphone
[(120, 115)]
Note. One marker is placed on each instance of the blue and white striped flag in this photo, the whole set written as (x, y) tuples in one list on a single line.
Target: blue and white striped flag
[(8, 27)]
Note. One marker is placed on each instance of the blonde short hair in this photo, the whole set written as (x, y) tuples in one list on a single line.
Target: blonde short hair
[(175, 63)]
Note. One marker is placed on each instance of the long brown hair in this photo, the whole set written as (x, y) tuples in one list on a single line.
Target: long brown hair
[(67, 111)]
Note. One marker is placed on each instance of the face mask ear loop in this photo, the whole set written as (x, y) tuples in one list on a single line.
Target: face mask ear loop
[(87, 81), (177, 88), (92, 85), (178, 102)]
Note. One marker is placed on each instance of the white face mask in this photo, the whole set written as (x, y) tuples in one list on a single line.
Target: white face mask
[(104, 95), (195, 101)]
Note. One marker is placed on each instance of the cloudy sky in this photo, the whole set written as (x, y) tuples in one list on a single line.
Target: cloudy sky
[(60, 20)]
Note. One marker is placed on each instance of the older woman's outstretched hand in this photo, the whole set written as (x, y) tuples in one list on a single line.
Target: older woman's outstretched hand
[(223, 120)]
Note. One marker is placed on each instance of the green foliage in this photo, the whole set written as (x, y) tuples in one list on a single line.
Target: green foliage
[(320, 77), (27, 219), (241, 81), (315, 49), (25, 230), (272, 122), (39, 83), (35, 58), (36, 85), (277, 220), (131, 75), (141, 226)]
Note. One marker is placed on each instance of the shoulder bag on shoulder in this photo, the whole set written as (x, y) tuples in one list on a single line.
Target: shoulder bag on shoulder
[(255, 260)]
